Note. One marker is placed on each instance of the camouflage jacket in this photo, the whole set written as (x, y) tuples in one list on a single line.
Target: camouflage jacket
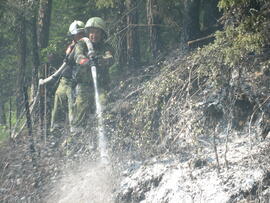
[(104, 53), (68, 72)]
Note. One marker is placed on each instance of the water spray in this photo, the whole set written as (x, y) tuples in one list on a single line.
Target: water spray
[(102, 142)]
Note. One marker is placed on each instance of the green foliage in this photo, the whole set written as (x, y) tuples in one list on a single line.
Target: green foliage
[(4, 129), (105, 3), (170, 13), (227, 4), (232, 46), (4, 133), (213, 63), (151, 102), (56, 46), (244, 35), (241, 45), (115, 73), (7, 71), (8, 64)]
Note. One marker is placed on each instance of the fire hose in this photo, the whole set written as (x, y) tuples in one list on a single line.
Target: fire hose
[(52, 77)]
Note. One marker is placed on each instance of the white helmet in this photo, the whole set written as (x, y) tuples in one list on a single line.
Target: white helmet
[(76, 27)]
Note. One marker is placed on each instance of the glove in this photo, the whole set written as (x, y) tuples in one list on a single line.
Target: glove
[(87, 62), (92, 56)]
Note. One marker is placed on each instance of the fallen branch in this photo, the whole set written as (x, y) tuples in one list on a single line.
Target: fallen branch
[(133, 93), (200, 39)]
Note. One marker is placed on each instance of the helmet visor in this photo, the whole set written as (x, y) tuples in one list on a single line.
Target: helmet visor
[(73, 29)]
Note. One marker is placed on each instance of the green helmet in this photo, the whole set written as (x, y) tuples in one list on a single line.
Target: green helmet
[(96, 22), (76, 27)]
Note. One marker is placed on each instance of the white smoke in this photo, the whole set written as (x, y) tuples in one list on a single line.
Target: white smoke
[(93, 183)]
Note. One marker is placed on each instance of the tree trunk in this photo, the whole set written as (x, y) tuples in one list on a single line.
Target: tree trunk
[(133, 53), (190, 22), (152, 20), (29, 126), (208, 15), (21, 62), (2, 113), (122, 38), (35, 57), (45, 102), (10, 116), (44, 19), (41, 107), (28, 116)]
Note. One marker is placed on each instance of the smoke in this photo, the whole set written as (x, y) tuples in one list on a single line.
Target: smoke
[(91, 183)]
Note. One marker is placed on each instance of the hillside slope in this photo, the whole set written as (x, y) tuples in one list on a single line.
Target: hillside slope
[(191, 128), (194, 139)]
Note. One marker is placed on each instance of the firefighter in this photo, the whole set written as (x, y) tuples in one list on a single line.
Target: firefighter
[(102, 56), (63, 109)]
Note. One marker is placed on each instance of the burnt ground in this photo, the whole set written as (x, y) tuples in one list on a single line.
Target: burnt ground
[(29, 176), (204, 143)]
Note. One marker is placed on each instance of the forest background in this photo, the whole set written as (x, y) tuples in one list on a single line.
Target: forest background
[(141, 31)]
